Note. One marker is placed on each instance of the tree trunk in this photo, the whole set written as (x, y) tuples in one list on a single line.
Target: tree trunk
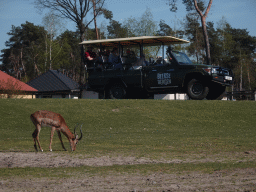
[(82, 53), (206, 40), (22, 64), (203, 20), (95, 23), (249, 79), (50, 49), (241, 77), (46, 52)]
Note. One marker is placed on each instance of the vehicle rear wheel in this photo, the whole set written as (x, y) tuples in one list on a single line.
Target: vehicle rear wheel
[(197, 90), (216, 92), (117, 91)]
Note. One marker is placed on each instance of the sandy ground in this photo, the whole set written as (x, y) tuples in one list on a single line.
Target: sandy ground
[(235, 180)]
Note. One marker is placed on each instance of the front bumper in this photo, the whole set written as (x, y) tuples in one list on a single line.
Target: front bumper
[(224, 80), (221, 75)]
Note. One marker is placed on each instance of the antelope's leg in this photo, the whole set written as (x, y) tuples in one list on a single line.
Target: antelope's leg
[(52, 133), (61, 140), (36, 137)]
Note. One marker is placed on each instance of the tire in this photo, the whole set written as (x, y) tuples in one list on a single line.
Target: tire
[(117, 91), (197, 90), (216, 92)]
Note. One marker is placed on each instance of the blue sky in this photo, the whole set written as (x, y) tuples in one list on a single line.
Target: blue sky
[(239, 14)]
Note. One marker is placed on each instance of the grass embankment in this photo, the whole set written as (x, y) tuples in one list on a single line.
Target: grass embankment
[(141, 128)]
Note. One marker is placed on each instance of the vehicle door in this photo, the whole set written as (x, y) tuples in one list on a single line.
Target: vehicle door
[(161, 77)]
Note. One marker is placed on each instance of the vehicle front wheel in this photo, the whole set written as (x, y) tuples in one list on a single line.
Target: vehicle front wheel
[(197, 90), (117, 91)]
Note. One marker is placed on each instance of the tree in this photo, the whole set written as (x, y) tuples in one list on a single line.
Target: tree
[(52, 24), (234, 49), (142, 26), (67, 59), (215, 44), (194, 34), (95, 22), (243, 52), (23, 55), (202, 15), (116, 30), (76, 11), (165, 29)]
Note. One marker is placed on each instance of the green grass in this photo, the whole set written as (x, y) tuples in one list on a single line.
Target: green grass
[(135, 126), (141, 128), (68, 172)]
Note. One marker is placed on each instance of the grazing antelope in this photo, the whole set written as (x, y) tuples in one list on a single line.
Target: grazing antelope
[(56, 122)]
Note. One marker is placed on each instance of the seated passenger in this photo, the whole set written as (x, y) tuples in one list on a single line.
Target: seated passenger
[(159, 61), (114, 59), (99, 59), (143, 61), (131, 57), (90, 57), (105, 59)]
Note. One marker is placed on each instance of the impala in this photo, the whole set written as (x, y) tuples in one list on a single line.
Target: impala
[(56, 122)]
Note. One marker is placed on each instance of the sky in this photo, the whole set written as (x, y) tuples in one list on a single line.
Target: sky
[(239, 14)]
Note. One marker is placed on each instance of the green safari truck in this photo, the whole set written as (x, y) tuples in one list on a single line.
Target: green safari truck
[(145, 75)]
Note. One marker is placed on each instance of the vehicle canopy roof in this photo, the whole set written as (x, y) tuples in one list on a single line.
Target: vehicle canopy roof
[(133, 41)]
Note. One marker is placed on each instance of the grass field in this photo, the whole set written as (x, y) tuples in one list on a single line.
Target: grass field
[(140, 127), (153, 129)]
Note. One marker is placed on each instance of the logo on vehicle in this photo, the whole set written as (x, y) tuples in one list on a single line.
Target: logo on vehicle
[(163, 78)]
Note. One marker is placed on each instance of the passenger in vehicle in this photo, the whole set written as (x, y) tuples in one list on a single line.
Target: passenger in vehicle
[(99, 59), (131, 57), (114, 59), (140, 63), (144, 61), (90, 57), (105, 56), (159, 61), (137, 63)]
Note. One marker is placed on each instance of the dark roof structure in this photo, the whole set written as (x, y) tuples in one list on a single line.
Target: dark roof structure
[(53, 81), (8, 82)]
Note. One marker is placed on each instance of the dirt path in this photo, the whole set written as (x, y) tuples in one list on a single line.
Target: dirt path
[(47, 159), (235, 180)]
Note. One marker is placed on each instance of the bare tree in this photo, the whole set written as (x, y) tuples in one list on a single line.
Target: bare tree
[(75, 10), (52, 25), (203, 21)]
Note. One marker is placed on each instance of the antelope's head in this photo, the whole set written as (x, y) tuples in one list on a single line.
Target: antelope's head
[(74, 141)]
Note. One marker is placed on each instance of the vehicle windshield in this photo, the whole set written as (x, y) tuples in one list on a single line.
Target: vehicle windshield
[(182, 58)]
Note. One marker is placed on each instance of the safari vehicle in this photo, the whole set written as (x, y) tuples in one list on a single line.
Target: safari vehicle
[(143, 79)]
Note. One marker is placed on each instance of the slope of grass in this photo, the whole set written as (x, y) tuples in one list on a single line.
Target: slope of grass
[(135, 127)]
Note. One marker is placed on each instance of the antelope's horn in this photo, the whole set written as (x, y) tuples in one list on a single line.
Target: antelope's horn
[(75, 129), (81, 132)]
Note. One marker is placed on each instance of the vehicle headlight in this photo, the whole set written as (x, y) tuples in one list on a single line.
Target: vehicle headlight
[(208, 70), (211, 70)]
